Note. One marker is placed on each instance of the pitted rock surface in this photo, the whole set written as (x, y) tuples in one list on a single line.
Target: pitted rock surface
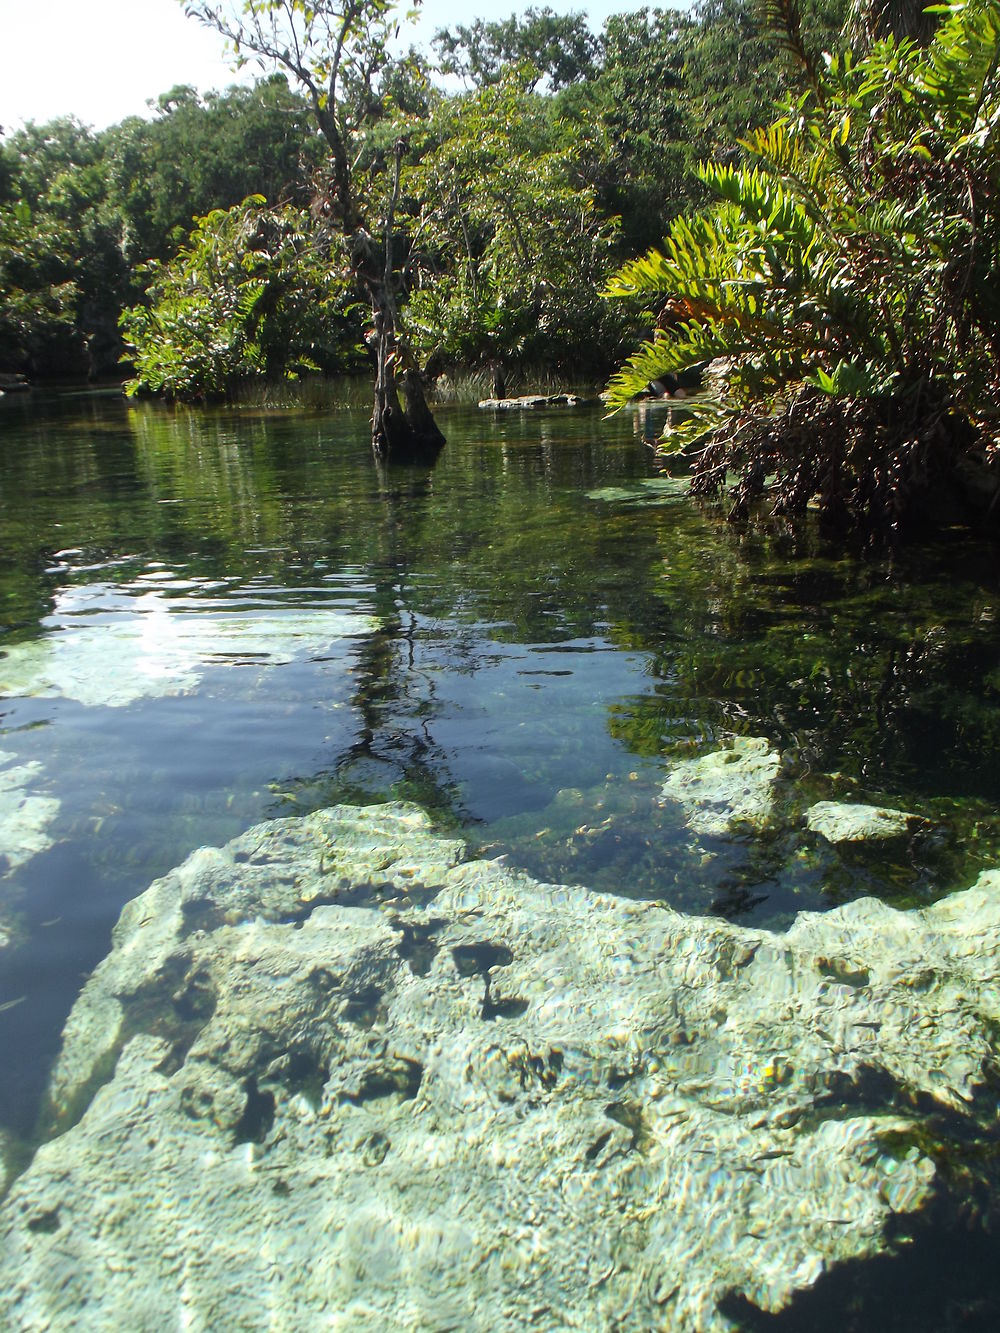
[(851, 821), (727, 789), (334, 1075)]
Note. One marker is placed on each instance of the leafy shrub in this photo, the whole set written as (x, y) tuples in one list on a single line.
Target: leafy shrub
[(253, 294), (848, 275)]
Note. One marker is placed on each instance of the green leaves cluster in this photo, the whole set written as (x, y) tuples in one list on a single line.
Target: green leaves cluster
[(254, 292), (508, 246), (81, 211), (848, 275), (568, 150), (59, 250)]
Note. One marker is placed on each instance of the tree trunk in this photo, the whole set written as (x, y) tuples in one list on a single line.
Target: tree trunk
[(401, 432), (408, 433)]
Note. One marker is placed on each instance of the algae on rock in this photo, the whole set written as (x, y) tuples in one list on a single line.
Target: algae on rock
[(438, 1094)]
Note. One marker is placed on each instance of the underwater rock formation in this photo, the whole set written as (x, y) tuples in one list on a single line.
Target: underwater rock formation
[(103, 657), (844, 821), (649, 492), (333, 1074), (726, 789), (25, 816)]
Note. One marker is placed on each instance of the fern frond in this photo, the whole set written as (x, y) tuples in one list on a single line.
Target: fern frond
[(762, 200), (670, 351), (959, 70)]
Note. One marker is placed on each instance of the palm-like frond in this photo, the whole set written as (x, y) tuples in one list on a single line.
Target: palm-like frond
[(959, 72), (846, 272)]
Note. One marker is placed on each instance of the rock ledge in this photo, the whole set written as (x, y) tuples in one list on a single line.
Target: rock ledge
[(333, 1073)]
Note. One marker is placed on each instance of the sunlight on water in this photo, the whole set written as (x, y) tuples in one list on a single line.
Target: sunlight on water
[(108, 645)]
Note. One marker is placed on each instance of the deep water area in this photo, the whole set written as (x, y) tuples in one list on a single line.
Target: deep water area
[(210, 618)]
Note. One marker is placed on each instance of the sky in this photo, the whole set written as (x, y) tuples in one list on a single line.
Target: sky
[(101, 60)]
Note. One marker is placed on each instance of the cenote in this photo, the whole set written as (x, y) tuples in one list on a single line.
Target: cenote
[(212, 618)]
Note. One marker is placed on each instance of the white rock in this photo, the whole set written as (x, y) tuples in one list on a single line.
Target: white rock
[(726, 789), (352, 1081), (843, 821)]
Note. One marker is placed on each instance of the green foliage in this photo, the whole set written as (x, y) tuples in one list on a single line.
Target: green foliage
[(38, 299), (848, 275), (102, 204), (199, 153), (642, 165), (59, 256), (512, 194), (252, 294), (557, 48), (507, 243)]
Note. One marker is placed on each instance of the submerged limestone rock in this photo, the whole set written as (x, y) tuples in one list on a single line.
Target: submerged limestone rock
[(332, 1075), (726, 789), (648, 493), (104, 657), (844, 821), (25, 816)]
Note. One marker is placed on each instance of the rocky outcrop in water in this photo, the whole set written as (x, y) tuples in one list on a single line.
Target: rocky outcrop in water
[(851, 821), (334, 1074), (26, 818), (530, 401), (727, 789)]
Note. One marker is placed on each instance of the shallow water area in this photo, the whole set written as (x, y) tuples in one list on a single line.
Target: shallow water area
[(211, 618)]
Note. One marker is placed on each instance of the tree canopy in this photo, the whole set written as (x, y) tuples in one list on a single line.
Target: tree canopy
[(251, 293)]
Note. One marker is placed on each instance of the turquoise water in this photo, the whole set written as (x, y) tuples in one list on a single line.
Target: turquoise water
[(211, 618)]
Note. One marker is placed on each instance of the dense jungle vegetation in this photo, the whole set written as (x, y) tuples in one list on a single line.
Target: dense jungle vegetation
[(811, 193), (536, 157)]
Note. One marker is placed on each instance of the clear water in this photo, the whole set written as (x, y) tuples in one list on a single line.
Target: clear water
[(208, 618)]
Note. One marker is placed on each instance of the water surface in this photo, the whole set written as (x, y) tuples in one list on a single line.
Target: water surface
[(208, 618)]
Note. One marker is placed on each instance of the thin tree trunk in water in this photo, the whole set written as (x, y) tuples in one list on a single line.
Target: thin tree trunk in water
[(406, 433)]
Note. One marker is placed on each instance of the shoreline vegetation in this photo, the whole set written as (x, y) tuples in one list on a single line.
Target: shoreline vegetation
[(809, 189)]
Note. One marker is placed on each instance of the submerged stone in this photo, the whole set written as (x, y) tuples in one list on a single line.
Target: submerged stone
[(844, 821), (333, 1074), (25, 816), (651, 491), (111, 658), (726, 789)]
